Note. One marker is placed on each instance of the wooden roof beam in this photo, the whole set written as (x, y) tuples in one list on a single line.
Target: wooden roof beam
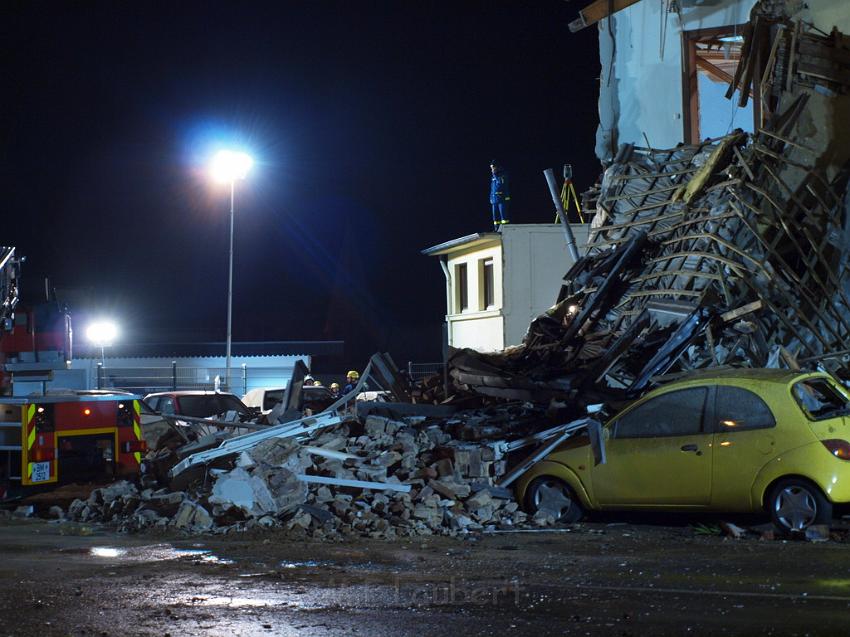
[(598, 10)]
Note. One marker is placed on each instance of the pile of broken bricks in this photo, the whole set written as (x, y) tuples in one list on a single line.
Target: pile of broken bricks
[(424, 477)]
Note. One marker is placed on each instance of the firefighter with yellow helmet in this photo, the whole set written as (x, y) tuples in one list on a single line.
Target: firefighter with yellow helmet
[(351, 379)]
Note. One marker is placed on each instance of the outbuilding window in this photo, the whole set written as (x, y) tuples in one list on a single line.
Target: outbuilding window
[(462, 284), (488, 286)]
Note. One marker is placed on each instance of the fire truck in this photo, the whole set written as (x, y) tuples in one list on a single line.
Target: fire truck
[(54, 437)]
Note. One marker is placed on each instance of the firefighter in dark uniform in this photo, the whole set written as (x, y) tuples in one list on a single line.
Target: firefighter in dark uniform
[(500, 195)]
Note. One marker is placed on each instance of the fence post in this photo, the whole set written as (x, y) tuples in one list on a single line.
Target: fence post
[(410, 370), (244, 378), (100, 375), (173, 375)]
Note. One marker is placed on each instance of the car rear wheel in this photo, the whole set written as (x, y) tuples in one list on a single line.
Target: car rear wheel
[(796, 504), (555, 497)]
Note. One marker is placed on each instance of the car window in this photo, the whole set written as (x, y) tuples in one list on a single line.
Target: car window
[(678, 413), (819, 399), (204, 406), (166, 405), (145, 408), (227, 403), (272, 398), (199, 406), (738, 409)]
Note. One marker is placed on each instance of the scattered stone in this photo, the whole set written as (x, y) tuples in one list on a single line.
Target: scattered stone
[(24, 511), (817, 533), (733, 530)]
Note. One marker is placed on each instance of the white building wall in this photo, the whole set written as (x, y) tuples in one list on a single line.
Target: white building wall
[(640, 93), (482, 332), (476, 327), (535, 262)]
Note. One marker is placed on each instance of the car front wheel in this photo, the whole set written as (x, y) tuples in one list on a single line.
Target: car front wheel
[(555, 497), (796, 504)]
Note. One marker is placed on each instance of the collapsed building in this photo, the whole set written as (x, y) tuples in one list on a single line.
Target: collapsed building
[(730, 251)]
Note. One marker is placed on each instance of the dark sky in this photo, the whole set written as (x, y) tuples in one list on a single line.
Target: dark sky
[(372, 124)]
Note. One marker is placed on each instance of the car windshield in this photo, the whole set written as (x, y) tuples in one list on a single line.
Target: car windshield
[(208, 405), (819, 399), (272, 398), (145, 408)]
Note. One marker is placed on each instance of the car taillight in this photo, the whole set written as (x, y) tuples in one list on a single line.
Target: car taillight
[(42, 454), (838, 448), (136, 446)]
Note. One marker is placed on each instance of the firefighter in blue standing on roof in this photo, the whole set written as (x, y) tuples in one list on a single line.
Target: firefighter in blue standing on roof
[(500, 195)]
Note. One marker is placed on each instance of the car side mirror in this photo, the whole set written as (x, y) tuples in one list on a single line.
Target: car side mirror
[(597, 434)]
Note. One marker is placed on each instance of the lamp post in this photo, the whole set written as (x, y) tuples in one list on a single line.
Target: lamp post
[(227, 167)]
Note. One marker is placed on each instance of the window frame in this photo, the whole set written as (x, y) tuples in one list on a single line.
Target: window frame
[(706, 402), (488, 283), (461, 287), (690, 80)]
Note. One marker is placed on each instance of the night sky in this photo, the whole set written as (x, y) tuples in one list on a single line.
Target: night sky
[(372, 123)]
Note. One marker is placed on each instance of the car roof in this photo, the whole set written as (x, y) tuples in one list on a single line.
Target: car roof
[(190, 392), (782, 376)]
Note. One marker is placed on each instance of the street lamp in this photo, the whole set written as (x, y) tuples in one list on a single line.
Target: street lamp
[(102, 334), (227, 167)]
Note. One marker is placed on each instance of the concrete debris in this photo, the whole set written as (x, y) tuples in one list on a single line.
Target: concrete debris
[(24, 511), (733, 530), (376, 477)]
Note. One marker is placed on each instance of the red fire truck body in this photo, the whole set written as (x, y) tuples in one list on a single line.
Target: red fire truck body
[(69, 436), (55, 436)]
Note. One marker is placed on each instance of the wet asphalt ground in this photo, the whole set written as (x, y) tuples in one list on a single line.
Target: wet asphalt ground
[(595, 579)]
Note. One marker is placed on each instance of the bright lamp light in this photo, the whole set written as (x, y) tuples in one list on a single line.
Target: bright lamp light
[(102, 333), (228, 166)]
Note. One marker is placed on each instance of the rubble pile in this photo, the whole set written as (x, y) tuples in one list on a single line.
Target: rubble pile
[(425, 476), (729, 252)]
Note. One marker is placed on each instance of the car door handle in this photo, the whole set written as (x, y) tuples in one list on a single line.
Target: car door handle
[(690, 447)]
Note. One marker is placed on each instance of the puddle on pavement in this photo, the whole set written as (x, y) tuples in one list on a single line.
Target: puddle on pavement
[(358, 566), (235, 602), (154, 553), (307, 564)]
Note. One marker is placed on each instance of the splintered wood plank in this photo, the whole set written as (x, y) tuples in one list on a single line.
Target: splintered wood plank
[(598, 10)]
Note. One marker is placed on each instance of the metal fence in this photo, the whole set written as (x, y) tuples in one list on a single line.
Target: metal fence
[(146, 380), (418, 371)]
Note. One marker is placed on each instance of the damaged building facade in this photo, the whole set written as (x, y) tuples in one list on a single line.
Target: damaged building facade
[(726, 251)]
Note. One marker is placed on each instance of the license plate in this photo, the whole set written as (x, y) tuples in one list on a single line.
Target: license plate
[(40, 471)]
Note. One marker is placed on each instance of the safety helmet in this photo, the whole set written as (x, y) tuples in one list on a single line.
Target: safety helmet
[(352, 375), (334, 385)]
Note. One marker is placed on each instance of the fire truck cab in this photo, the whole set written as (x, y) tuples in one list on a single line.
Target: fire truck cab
[(68, 436)]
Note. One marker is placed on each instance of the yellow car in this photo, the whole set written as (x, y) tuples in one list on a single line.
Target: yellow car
[(744, 440)]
